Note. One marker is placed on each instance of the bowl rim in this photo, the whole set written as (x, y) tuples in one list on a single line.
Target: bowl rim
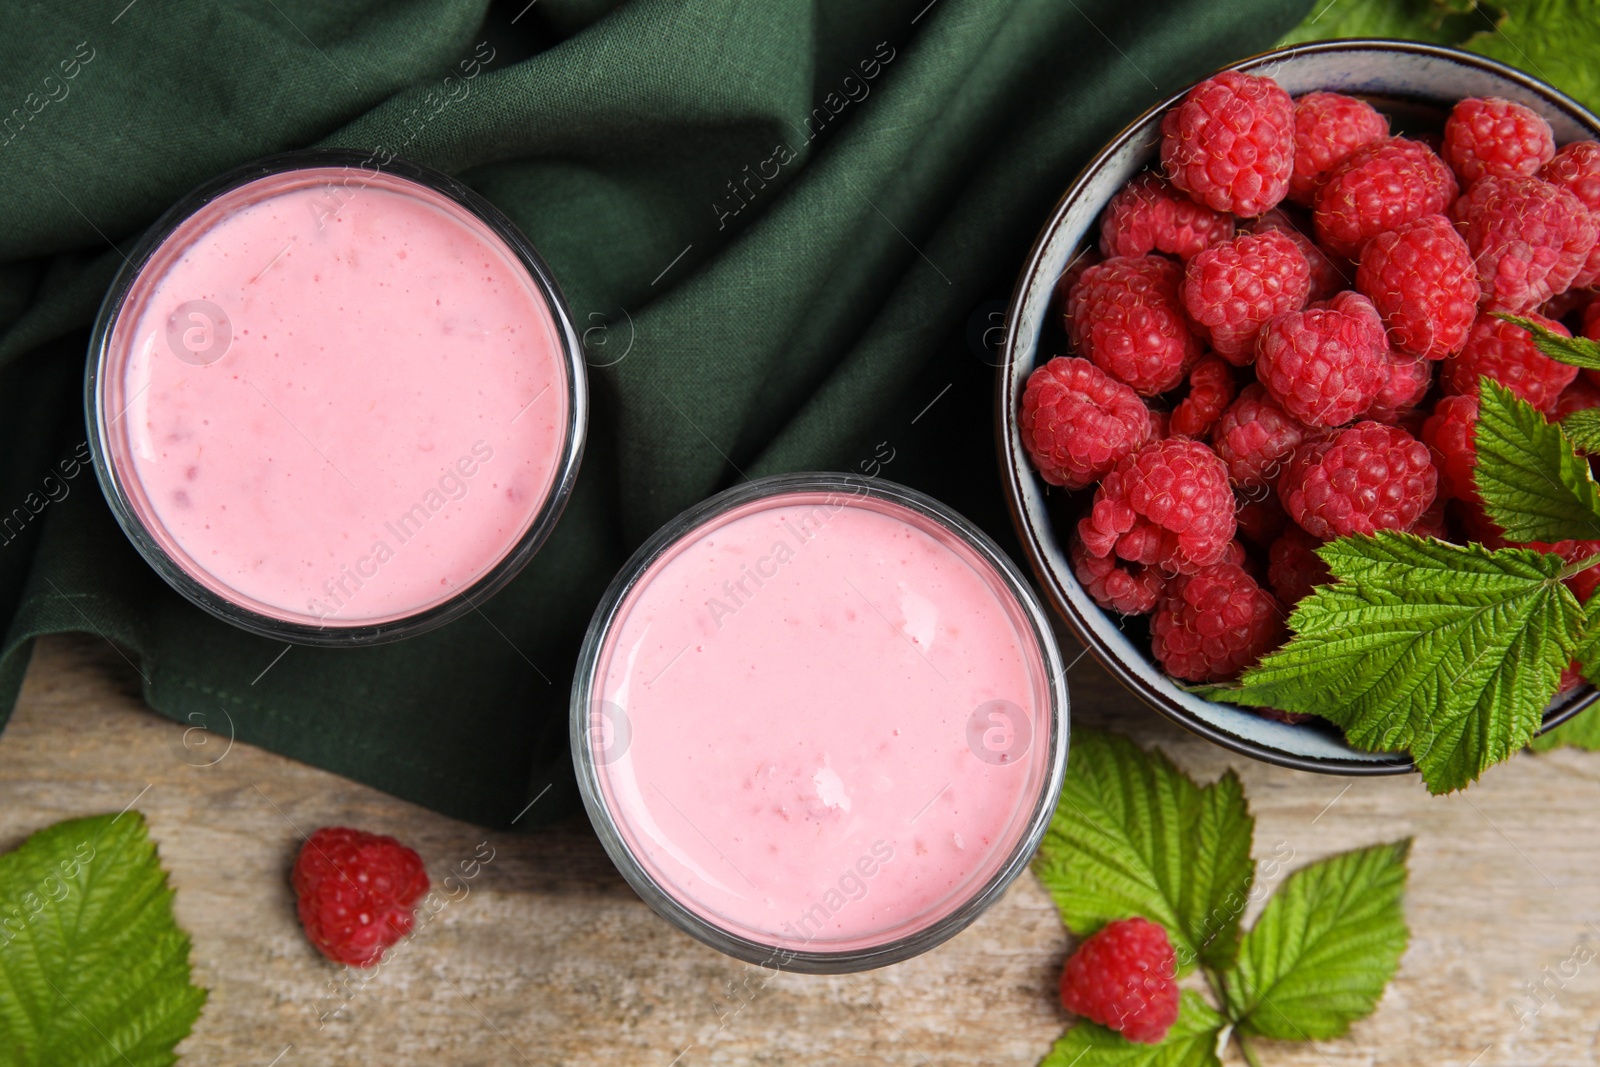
[(1011, 474)]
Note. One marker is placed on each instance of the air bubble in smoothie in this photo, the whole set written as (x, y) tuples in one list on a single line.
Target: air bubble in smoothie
[(334, 399), (820, 721)]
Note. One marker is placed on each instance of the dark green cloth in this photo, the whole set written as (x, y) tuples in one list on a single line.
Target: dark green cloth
[(784, 225)]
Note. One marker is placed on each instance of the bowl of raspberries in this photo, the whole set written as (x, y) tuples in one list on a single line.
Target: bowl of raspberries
[(1256, 323)]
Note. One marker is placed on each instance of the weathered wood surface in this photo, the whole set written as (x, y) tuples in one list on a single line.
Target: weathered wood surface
[(551, 959)]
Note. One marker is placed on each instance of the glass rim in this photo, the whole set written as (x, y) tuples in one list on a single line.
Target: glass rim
[(750, 950), (236, 613)]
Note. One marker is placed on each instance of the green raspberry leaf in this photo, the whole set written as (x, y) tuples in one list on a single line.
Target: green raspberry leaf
[(1192, 1042), (1578, 351), (1533, 485), (1583, 429), (94, 971), (1450, 651), (1324, 948), (1133, 835)]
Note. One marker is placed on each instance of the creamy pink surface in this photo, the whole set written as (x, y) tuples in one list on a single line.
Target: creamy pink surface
[(386, 423), (798, 682)]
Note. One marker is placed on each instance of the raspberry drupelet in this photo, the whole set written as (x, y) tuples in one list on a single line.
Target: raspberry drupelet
[(1125, 317), (1423, 281), (1230, 144), (1167, 506), (1359, 480), (1078, 422), (1149, 215), (1230, 290)]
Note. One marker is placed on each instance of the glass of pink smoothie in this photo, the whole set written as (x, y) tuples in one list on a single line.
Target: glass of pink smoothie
[(335, 400), (820, 722)]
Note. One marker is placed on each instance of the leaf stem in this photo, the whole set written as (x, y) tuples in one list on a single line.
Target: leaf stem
[(1245, 1050)]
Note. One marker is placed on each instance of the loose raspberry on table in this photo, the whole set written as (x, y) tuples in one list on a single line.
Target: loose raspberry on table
[(1377, 188), (1328, 127), (1506, 353), (1230, 290), (1211, 390), (356, 893), (1491, 136), (1259, 515), (1327, 277), (1293, 566), (1230, 144), (1167, 506), (1149, 215), (1078, 422), (1125, 316), (1576, 168), (1529, 238), (1362, 479), (1211, 625), (1423, 281), (1125, 979), (1451, 434), (1325, 366), (1409, 379), (1129, 588), (1255, 437)]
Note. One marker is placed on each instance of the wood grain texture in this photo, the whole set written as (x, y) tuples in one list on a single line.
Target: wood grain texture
[(547, 957)]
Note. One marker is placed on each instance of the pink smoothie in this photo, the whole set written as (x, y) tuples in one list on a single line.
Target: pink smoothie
[(794, 687), (336, 400)]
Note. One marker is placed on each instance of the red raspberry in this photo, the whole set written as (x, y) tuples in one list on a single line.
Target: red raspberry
[(1260, 516), (1077, 422), (1409, 379), (1230, 290), (1125, 316), (1584, 583), (1581, 395), (1327, 277), (1488, 135), (1149, 215), (1421, 278), (1125, 979), (1505, 352), (1328, 127), (1293, 566), (1230, 144), (1211, 389), (1529, 238), (1365, 478), (1132, 589), (1433, 524), (1325, 365), (1451, 432), (1576, 168), (356, 892), (1377, 188), (1168, 505), (1255, 438), (1211, 625)]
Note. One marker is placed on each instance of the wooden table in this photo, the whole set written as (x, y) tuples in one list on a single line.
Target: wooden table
[(550, 958)]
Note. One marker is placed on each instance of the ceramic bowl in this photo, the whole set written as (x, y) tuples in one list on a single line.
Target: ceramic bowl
[(1416, 84)]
